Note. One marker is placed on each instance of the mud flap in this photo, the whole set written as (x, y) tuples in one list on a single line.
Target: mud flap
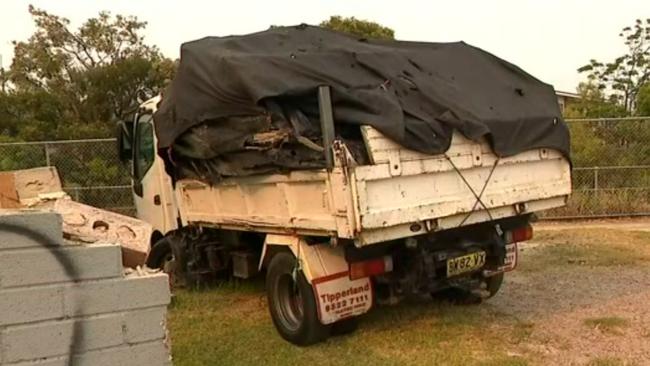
[(511, 258), (338, 297), (325, 268)]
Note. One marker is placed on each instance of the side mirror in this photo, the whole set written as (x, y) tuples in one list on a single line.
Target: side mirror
[(125, 140)]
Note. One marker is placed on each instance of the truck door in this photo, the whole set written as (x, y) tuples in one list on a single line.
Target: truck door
[(149, 193)]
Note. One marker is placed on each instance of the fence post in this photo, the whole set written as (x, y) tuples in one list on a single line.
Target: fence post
[(596, 181), (47, 155)]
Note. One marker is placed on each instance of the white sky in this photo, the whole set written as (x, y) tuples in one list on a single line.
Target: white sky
[(548, 38)]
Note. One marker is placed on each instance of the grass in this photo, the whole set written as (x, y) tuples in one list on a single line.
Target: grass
[(606, 361), (595, 248), (230, 325), (608, 324)]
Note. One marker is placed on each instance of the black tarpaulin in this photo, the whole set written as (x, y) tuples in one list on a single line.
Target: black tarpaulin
[(416, 93)]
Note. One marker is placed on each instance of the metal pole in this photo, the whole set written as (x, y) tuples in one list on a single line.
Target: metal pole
[(326, 124), (596, 181), (47, 155)]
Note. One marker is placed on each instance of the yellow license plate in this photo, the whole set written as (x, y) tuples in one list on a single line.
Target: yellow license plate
[(465, 263)]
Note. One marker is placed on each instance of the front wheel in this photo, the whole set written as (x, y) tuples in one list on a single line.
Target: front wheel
[(162, 257), (292, 303)]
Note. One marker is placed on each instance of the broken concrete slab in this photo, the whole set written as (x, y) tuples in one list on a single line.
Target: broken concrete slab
[(41, 188), (89, 224), (20, 188)]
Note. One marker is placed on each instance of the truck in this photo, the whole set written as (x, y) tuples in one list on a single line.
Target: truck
[(336, 242)]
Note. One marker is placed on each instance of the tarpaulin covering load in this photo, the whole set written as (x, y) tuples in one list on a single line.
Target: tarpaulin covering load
[(416, 93)]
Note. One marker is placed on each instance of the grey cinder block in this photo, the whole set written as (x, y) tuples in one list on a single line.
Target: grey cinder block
[(23, 229), (34, 266)]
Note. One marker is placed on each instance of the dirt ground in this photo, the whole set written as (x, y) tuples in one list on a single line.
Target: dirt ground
[(639, 224), (587, 308)]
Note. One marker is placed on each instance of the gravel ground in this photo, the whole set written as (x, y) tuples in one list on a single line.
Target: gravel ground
[(566, 304)]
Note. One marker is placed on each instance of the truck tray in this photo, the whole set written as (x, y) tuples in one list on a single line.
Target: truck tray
[(402, 193)]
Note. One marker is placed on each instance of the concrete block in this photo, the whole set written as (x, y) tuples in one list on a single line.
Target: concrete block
[(59, 338), (153, 353), (31, 304), (107, 296), (145, 325), (145, 354), (35, 266), (87, 224), (25, 228)]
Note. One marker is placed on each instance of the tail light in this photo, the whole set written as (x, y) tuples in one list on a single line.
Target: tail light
[(371, 267), (519, 234)]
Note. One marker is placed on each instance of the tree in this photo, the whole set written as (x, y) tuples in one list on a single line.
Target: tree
[(643, 101), (358, 27), (594, 104), (624, 76), (68, 83), (84, 79)]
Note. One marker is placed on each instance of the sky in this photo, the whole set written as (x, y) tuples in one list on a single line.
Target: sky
[(548, 38)]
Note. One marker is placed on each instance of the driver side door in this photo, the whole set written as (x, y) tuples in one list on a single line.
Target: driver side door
[(149, 194)]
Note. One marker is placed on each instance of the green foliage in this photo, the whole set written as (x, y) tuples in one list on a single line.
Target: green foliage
[(358, 27), (69, 83), (594, 104), (624, 76), (643, 101), (66, 83)]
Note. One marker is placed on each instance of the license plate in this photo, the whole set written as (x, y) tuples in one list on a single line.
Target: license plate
[(465, 263)]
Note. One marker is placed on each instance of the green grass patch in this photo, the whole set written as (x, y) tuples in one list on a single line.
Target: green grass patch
[(230, 325), (594, 248), (606, 361), (608, 324), (505, 361), (522, 331)]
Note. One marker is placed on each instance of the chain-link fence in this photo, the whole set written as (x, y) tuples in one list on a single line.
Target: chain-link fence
[(611, 175), (89, 169)]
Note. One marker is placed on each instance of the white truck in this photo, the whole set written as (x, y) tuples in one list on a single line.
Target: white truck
[(336, 242)]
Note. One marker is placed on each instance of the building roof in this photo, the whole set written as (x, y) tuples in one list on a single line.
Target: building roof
[(567, 94)]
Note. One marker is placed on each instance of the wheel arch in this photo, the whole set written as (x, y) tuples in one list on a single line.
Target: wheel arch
[(316, 261)]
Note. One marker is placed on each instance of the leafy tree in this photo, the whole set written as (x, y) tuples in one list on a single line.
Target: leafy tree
[(358, 27), (66, 83), (643, 101), (594, 104), (625, 76)]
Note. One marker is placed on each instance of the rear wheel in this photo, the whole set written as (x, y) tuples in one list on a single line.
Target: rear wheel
[(493, 284), (345, 326), (292, 303), (464, 296)]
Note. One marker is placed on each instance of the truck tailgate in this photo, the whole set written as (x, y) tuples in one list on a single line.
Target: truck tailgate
[(407, 192)]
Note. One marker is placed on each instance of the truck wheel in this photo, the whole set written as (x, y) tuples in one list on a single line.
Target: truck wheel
[(493, 284), (345, 326), (161, 257), (292, 303), (160, 254), (462, 296)]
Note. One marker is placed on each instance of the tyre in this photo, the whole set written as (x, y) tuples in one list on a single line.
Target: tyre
[(160, 254), (292, 303), (345, 326), (463, 296), (493, 284), (161, 257)]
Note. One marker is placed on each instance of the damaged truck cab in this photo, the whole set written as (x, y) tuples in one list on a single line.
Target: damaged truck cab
[(336, 242)]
